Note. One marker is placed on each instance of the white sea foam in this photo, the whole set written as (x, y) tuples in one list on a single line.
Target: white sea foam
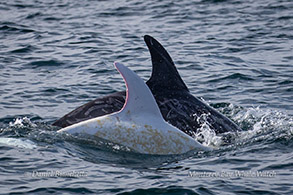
[(22, 122), (263, 124)]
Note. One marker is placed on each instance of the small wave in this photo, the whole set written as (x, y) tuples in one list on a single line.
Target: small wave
[(234, 76), (46, 63), (168, 190), (25, 49), (21, 143), (8, 28), (33, 15), (57, 190), (51, 18)]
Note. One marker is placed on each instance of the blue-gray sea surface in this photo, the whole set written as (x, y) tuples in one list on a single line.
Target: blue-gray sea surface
[(56, 55)]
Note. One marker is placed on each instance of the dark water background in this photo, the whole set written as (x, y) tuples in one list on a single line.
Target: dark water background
[(56, 55)]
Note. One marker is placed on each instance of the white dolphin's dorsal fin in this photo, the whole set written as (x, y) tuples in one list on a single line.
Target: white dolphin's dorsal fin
[(139, 98)]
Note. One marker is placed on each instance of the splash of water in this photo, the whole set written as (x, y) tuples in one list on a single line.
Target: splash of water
[(22, 122), (205, 134), (258, 125), (265, 124)]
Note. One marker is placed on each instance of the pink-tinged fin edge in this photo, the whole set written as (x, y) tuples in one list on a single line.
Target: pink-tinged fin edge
[(139, 98)]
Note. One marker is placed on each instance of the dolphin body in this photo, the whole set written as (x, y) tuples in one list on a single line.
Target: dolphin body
[(139, 125), (177, 105)]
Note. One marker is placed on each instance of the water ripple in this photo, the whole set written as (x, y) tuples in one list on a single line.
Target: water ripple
[(58, 55)]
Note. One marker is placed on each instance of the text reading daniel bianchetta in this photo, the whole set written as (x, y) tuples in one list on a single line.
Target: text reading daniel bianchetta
[(58, 174)]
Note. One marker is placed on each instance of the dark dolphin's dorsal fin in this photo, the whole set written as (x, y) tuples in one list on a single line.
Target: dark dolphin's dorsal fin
[(164, 74)]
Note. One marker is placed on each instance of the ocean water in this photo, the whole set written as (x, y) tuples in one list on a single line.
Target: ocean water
[(57, 55)]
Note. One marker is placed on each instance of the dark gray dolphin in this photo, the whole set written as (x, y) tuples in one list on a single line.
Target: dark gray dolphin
[(177, 105)]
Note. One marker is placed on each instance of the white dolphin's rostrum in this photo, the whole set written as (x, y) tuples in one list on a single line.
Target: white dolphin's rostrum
[(139, 125)]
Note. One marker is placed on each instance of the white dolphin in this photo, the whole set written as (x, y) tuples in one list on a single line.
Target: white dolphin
[(139, 125)]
